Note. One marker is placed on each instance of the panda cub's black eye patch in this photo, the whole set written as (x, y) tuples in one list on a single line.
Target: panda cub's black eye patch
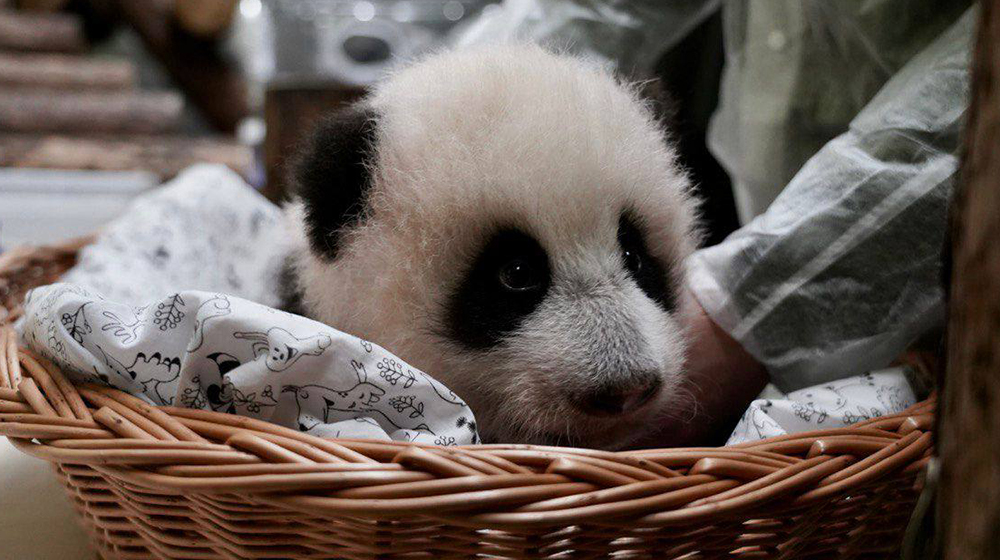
[(507, 280), (648, 272)]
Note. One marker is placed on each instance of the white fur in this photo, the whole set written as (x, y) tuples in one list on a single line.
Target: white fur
[(513, 135)]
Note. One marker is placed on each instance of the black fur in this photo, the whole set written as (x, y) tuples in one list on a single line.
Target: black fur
[(647, 271), (289, 290), (482, 310), (332, 176)]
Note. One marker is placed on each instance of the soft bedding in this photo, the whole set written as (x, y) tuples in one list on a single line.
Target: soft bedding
[(176, 303)]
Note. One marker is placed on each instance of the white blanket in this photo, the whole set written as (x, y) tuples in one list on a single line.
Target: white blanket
[(831, 405), (174, 304), (160, 307)]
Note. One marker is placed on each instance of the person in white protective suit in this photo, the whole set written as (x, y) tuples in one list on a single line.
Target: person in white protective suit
[(839, 124)]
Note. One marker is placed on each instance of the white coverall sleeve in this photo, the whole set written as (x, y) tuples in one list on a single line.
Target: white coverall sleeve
[(843, 271)]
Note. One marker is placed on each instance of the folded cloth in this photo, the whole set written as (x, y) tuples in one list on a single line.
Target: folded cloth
[(160, 307), (823, 407), (174, 303)]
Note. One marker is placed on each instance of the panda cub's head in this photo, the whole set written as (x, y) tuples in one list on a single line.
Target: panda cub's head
[(513, 223)]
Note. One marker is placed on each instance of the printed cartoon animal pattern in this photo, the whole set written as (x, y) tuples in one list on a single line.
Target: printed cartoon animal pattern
[(832, 405), (218, 306), (124, 318), (188, 350), (755, 424), (151, 372), (125, 330), (282, 349), (320, 404), (213, 389), (841, 400)]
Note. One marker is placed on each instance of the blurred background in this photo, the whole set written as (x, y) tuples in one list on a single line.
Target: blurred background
[(102, 99)]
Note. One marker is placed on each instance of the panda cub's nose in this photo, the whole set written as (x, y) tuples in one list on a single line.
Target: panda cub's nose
[(626, 396)]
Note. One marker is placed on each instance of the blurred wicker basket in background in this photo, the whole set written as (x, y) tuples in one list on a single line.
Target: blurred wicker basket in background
[(160, 482)]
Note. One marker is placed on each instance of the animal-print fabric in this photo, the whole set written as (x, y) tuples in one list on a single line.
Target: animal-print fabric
[(831, 405), (160, 307)]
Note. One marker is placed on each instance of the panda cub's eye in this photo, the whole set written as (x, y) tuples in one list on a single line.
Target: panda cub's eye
[(649, 273), (633, 247), (519, 275), (633, 259), (506, 281)]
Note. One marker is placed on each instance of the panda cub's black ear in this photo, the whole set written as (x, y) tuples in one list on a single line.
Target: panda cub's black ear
[(332, 175)]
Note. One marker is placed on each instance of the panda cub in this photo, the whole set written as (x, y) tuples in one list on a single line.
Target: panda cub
[(514, 223)]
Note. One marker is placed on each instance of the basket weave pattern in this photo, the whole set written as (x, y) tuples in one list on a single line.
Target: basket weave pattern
[(161, 482)]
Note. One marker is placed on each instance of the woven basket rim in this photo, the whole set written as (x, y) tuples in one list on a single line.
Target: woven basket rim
[(501, 486)]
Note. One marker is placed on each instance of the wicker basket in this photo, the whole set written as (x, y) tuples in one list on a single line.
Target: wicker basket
[(153, 482)]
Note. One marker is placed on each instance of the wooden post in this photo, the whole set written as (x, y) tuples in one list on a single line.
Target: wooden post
[(290, 115), (969, 433)]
